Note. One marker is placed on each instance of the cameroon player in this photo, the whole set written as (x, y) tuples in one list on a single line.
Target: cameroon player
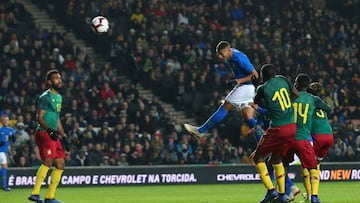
[(276, 91), (47, 138), (304, 107), (322, 136)]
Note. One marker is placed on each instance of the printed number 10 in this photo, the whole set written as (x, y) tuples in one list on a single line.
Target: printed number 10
[(283, 97)]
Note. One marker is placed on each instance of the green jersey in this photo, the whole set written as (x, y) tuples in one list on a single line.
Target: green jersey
[(320, 123), (304, 107), (276, 94), (51, 104)]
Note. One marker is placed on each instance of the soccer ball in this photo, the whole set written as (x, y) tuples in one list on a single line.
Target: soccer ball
[(100, 24)]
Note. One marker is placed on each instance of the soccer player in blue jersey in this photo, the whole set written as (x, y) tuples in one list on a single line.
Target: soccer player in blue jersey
[(240, 96), (7, 134)]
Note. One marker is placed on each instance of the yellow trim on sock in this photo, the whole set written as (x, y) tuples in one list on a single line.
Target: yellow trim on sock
[(315, 181), (264, 175), (307, 182), (55, 179), (40, 177), (280, 177)]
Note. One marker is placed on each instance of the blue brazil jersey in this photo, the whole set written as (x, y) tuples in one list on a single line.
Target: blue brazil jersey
[(240, 64), (5, 135)]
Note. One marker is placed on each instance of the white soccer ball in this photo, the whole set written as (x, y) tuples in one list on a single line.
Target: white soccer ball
[(100, 24)]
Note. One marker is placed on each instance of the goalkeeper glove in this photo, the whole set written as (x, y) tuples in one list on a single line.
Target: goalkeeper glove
[(53, 134)]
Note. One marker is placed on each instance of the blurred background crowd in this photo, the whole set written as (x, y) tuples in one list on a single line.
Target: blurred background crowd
[(168, 46)]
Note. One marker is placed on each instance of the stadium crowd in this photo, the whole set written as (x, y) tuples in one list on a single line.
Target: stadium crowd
[(168, 46)]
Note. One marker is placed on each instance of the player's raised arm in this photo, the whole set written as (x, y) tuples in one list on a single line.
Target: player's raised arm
[(321, 105)]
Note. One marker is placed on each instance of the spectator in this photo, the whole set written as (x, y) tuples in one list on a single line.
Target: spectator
[(357, 147), (211, 157), (198, 157), (23, 162), (82, 159), (355, 114), (184, 141), (349, 155), (157, 142), (106, 91), (224, 156), (122, 160), (106, 161), (155, 158), (184, 154), (69, 161), (34, 159), (96, 155), (22, 137), (169, 155)]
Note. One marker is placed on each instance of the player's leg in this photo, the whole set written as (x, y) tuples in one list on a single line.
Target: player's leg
[(279, 170), (40, 177), (246, 94), (240, 97), (270, 169), (306, 154), (322, 144), (291, 190), (307, 183), (55, 180), (248, 115), (45, 149), (315, 181), (59, 164), (4, 166), (215, 118), (265, 177), (263, 149), (4, 177), (282, 150)]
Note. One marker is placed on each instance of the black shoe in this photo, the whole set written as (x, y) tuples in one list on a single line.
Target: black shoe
[(35, 198)]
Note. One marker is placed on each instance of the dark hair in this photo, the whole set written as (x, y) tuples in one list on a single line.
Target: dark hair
[(267, 71), (222, 45), (311, 91), (302, 81), (50, 73)]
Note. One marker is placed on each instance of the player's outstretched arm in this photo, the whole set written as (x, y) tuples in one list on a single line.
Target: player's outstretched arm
[(258, 108)]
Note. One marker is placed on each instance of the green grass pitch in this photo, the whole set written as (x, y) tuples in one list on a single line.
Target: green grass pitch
[(337, 192)]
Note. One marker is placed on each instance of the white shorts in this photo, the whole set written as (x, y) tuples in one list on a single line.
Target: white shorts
[(3, 158), (241, 95)]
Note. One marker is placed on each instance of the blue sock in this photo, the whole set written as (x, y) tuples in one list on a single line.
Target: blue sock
[(258, 134), (218, 116), (251, 123), (3, 177), (271, 172), (288, 184)]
